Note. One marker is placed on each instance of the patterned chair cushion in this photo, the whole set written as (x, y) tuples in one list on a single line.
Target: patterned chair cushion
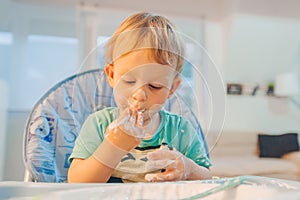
[(56, 119)]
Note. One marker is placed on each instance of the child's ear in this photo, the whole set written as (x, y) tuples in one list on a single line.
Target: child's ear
[(175, 85), (109, 71)]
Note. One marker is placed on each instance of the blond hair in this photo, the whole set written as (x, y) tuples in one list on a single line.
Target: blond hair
[(147, 31)]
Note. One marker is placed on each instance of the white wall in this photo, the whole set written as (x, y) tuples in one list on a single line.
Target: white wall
[(213, 109), (14, 165), (3, 121), (28, 75), (259, 48), (262, 114)]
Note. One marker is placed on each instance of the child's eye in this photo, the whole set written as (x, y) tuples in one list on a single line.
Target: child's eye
[(129, 82), (155, 86)]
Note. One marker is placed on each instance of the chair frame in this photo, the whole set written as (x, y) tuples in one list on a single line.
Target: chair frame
[(171, 104)]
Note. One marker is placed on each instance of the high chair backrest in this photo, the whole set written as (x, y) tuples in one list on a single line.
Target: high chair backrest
[(55, 121)]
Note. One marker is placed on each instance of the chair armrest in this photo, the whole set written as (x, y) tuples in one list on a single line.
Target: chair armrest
[(293, 156), (27, 176)]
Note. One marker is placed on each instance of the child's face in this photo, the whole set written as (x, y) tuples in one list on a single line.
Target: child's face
[(139, 82)]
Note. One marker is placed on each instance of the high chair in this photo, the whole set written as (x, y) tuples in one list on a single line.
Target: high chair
[(55, 121)]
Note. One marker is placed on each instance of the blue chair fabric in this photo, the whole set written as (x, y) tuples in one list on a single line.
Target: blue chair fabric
[(55, 121)]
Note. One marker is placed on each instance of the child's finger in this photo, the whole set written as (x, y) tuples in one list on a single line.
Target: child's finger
[(132, 119), (158, 164), (140, 119), (168, 175)]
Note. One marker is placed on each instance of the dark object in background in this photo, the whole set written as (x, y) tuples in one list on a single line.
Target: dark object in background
[(270, 91), (275, 146), (234, 88), (255, 90)]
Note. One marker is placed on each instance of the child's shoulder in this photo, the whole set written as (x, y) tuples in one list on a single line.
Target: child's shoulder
[(184, 120), (169, 116), (175, 122)]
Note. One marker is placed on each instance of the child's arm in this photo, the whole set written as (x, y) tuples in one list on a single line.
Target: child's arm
[(176, 167), (99, 166), (89, 170)]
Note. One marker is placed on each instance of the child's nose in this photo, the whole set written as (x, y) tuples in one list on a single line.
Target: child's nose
[(139, 94)]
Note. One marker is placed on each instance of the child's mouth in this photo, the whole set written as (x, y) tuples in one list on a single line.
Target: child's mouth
[(137, 107)]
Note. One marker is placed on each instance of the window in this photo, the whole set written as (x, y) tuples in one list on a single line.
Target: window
[(46, 60), (6, 38), (101, 41), (6, 41)]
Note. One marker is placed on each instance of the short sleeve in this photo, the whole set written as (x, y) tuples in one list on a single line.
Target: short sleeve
[(193, 144), (91, 134)]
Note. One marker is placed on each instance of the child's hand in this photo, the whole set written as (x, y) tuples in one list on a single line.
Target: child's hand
[(174, 165), (114, 146), (132, 122)]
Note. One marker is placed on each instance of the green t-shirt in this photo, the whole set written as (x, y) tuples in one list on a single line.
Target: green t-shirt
[(174, 131)]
